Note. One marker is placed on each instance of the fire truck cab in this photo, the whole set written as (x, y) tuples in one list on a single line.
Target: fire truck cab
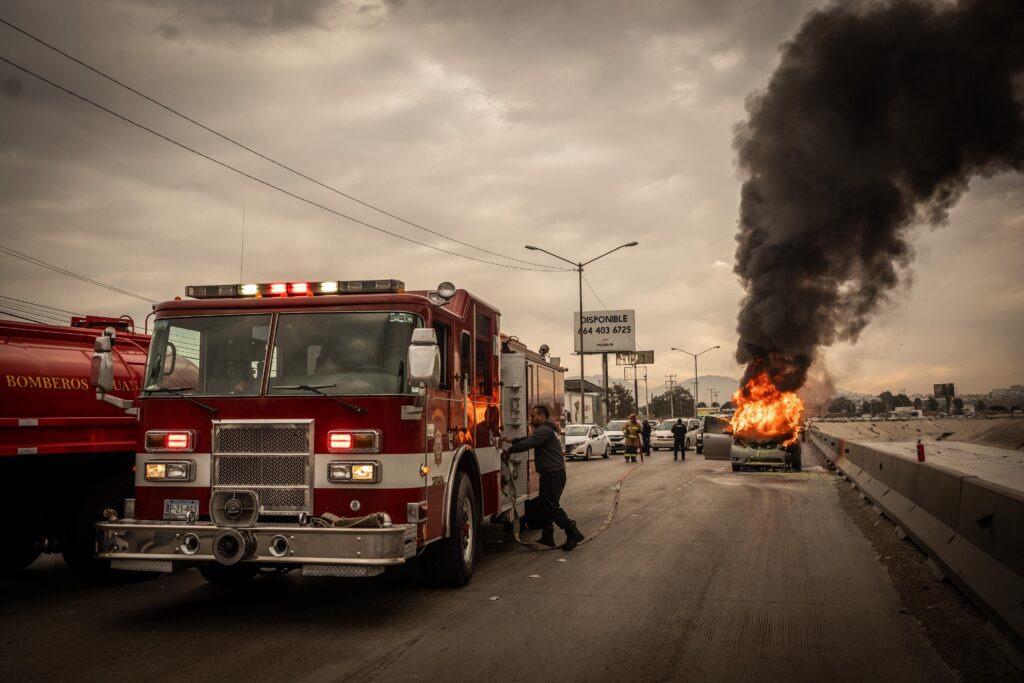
[(334, 427)]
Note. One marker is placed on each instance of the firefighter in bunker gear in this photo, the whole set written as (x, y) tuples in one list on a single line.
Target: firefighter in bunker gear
[(631, 433)]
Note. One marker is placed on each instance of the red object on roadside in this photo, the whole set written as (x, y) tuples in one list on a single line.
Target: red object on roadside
[(920, 451)]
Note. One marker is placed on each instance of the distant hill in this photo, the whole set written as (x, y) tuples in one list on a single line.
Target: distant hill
[(723, 386)]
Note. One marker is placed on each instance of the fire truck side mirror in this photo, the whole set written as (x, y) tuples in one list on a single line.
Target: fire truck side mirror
[(424, 358), (101, 372)]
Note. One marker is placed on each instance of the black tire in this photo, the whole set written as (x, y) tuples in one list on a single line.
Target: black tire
[(78, 547), (227, 574), (700, 449), (607, 450), (449, 562), (19, 553), (796, 458), (735, 467), (590, 452)]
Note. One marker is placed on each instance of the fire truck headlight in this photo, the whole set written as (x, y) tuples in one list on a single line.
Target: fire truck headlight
[(364, 472), (182, 441), (361, 441), (360, 472), (339, 471), (176, 470)]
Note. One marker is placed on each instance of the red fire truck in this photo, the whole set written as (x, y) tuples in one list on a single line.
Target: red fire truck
[(334, 427), (63, 456)]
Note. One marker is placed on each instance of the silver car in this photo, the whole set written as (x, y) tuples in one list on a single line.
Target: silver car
[(764, 454), (614, 431), (714, 439)]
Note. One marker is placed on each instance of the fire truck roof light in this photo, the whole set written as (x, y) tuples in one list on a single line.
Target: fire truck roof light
[(295, 289)]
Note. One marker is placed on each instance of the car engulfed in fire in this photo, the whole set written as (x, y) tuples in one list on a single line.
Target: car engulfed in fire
[(764, 454), (766, 427)]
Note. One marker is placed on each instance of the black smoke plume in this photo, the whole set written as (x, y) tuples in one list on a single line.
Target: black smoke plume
[(876, 119)]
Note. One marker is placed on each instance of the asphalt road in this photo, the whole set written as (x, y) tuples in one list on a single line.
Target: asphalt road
[(704, 575)]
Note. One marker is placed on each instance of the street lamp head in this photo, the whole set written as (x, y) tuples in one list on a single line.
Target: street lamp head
[(632, 244), (531, 248)]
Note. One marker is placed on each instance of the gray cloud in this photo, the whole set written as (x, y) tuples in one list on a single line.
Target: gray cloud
[(574, 125)]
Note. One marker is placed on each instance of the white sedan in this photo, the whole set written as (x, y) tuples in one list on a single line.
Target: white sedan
[(585, 440)]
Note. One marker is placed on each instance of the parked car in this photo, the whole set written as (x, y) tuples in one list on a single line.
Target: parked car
[(585, 440), (661, 434), (692, 432), (714, 439), (766, 454), (614, 432)]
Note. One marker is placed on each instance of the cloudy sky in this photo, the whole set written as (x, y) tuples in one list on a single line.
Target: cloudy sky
[(575, 126)]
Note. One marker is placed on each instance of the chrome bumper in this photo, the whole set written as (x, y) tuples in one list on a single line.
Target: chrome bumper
[(135, 543)]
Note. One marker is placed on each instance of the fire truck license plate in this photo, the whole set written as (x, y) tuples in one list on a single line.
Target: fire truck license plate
[(179, 509)]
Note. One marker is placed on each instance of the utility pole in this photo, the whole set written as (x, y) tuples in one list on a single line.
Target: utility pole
[(670, 382)]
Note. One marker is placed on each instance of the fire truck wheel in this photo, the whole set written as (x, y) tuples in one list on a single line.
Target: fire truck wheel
[(20, 553), (450, 561), (227, 575), (78, 547)]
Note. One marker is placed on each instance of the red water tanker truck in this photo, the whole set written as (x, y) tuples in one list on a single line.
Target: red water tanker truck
[(64, 456)]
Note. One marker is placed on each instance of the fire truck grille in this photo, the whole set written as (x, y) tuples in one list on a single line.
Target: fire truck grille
[(263, 439), (273, 470), (274, 460)]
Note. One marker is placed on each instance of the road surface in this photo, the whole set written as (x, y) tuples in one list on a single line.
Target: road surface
[(704, 575)]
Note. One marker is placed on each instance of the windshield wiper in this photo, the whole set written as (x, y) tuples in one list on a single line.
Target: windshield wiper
[(180, 392), (315, 388)]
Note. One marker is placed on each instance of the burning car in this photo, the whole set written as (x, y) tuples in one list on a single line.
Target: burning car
[(766, 427), (767, 453)]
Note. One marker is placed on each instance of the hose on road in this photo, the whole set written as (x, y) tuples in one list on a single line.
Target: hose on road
[(506, 462)]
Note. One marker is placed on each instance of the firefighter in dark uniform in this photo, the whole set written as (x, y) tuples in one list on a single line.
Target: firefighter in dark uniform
[(550, 463)]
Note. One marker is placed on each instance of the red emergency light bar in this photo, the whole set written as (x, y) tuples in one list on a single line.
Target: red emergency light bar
[(295, 289)]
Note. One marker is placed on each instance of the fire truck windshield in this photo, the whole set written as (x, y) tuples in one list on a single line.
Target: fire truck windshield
[(342, 353), (218, 355)]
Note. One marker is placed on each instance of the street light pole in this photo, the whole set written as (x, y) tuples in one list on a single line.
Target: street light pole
[(578, 267), (695, 385)]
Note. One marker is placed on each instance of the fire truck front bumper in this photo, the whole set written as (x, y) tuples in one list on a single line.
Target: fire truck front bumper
[(140, 545)]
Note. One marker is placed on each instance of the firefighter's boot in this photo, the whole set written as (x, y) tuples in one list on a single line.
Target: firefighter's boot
[(547, 537), (572, 537)]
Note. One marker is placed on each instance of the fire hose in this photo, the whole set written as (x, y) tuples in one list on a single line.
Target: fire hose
[(507, 462)]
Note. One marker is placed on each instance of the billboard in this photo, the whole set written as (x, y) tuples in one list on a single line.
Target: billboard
[(944, 391), (605, 331), (635, 358)]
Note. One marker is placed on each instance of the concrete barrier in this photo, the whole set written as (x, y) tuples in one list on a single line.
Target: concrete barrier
[(991, 518), (972, 529)]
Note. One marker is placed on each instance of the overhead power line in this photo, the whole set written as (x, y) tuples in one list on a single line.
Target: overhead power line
[(27, 310), (267, 158), (260, 180), (38, 305), (21, 317), (63, 271)]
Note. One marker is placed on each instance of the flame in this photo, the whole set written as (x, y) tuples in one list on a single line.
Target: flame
[(764, 412)]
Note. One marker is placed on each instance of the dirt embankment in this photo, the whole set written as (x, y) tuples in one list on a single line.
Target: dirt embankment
[(1000, 432)]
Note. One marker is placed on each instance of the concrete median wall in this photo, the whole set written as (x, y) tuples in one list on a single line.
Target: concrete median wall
[(971, 528)]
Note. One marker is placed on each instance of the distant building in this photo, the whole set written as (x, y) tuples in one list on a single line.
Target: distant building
[(593, 399)]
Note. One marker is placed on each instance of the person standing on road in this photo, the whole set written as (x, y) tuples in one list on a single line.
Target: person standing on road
[(678, 439), (646, 435), (631, 432), (550, 463)]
